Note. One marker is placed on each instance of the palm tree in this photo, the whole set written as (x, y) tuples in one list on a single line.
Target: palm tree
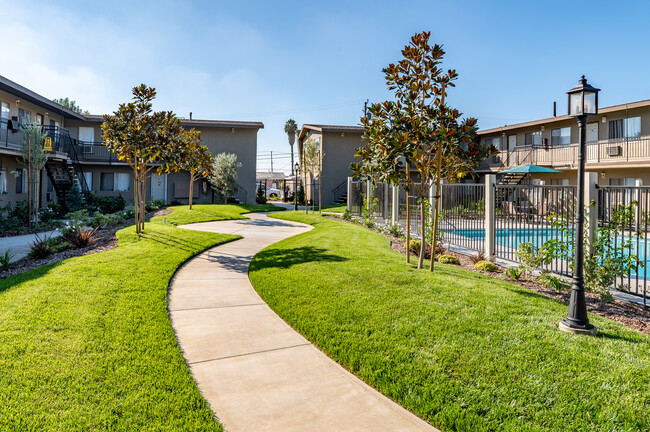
[(290, 128)]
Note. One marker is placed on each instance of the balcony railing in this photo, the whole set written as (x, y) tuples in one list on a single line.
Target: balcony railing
[(603, 151), (94, 152)]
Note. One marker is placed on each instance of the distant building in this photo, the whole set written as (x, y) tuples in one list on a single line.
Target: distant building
[(338, 145)]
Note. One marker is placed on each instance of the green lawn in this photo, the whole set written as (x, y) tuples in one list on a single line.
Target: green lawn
[(464, 351), (86, 343), (209, 212), (334, 208)]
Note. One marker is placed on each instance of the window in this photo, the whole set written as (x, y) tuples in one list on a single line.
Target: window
[(106, 182), (88, 177), (24, 117), (561, 137), (533, 139), (21, 181), (3, 181), (496, 142), (560, 182), (625, 128), (114, 182), (39, 119), (4, 115)]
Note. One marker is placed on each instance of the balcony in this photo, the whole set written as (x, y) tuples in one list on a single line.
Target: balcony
[(13, 140), (603, 152), (94, 152)]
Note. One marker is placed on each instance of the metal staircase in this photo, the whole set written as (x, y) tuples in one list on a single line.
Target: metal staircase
[(340, 193), (64, 173)]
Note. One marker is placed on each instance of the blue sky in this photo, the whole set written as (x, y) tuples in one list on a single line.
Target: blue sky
[(317, 62)]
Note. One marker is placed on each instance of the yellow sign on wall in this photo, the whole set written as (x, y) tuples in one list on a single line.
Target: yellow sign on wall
[(48, 144)]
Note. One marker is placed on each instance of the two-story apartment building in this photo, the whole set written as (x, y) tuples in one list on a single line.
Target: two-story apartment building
[(78, 154), (338, 145), (618, 146)]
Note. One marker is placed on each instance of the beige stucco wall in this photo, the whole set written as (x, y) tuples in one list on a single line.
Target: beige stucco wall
[(32, 108)]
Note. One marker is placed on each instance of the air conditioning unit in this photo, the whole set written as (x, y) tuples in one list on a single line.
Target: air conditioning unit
[(614, 151)]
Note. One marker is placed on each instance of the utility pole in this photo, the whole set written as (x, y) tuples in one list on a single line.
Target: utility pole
[(271, 161), (365, 108)]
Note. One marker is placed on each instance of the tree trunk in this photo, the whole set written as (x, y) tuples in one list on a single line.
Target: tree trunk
[(30, 203), (136, 200), (143, 196), (437, 195), (423, 224), (320, 184), (191, 188), (36, 195)]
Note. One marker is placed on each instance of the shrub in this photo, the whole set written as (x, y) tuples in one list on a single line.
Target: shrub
[(448, 259), (347, 215), (41, 248), (301, 195), (78, 218), (79, 237), (414, 248), (480, 256), (107, 205), (5, 260), (548, 280), (74, 201), (513, 273), (260, 196), (394, 229), (486, 266)]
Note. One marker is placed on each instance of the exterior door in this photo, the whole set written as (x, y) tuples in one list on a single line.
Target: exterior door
[(159, 187), (512, 142)]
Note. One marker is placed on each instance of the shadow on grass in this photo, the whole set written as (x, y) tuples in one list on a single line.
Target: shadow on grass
[(36, 273), (606, 335), (286, 258), (168, 240)]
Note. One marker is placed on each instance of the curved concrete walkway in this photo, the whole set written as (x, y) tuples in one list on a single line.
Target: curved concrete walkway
[(255, 371)]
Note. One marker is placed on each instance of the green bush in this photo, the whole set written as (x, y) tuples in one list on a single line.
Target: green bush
[(486, 266), (5, 260), (548, 280), (395, 230), (347, 215), (414, 248), (41, 248), (513, 273), (106, 204), (260, 196), (448, 259), (74, 201), (78, 218)]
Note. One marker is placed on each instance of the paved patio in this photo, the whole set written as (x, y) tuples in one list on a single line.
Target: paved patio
[(254, 370)]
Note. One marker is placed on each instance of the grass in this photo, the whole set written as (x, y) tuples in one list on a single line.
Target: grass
[(86, 343), (335, 208), (462, 350), (209, 212)]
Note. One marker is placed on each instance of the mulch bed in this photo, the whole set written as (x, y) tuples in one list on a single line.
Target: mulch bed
[(631, 315), (106, 240)]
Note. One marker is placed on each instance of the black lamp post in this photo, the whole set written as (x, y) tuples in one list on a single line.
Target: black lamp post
[(583, 102), (295, 187)]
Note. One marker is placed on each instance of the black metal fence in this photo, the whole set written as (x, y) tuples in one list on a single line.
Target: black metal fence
[(462, 215), (623, 220), (534, 214)]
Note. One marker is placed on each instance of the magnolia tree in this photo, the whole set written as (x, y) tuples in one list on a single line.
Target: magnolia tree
[(418, 130), (197, 159), (146, 140), (34, 158), (223, 174)]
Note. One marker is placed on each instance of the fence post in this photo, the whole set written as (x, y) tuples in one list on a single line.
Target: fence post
[(395, 203), (368, 197), (591, 195), (349, 199), (490, 205), (637, 197)]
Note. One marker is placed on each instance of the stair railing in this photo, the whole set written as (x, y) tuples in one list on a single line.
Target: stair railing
[(340, 190)]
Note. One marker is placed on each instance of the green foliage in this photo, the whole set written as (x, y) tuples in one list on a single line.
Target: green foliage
[(6, 258), (71, 105), (223, 176), (78, 218), (74, 200), (414, 248), (533, 258), (41, 248), (486, 266), (448, 259), (395, 229), (301, 195), (347, 215), (513, 273), (368, 211), (260, 196), (547, 279), (79, 237), (106, 204)]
